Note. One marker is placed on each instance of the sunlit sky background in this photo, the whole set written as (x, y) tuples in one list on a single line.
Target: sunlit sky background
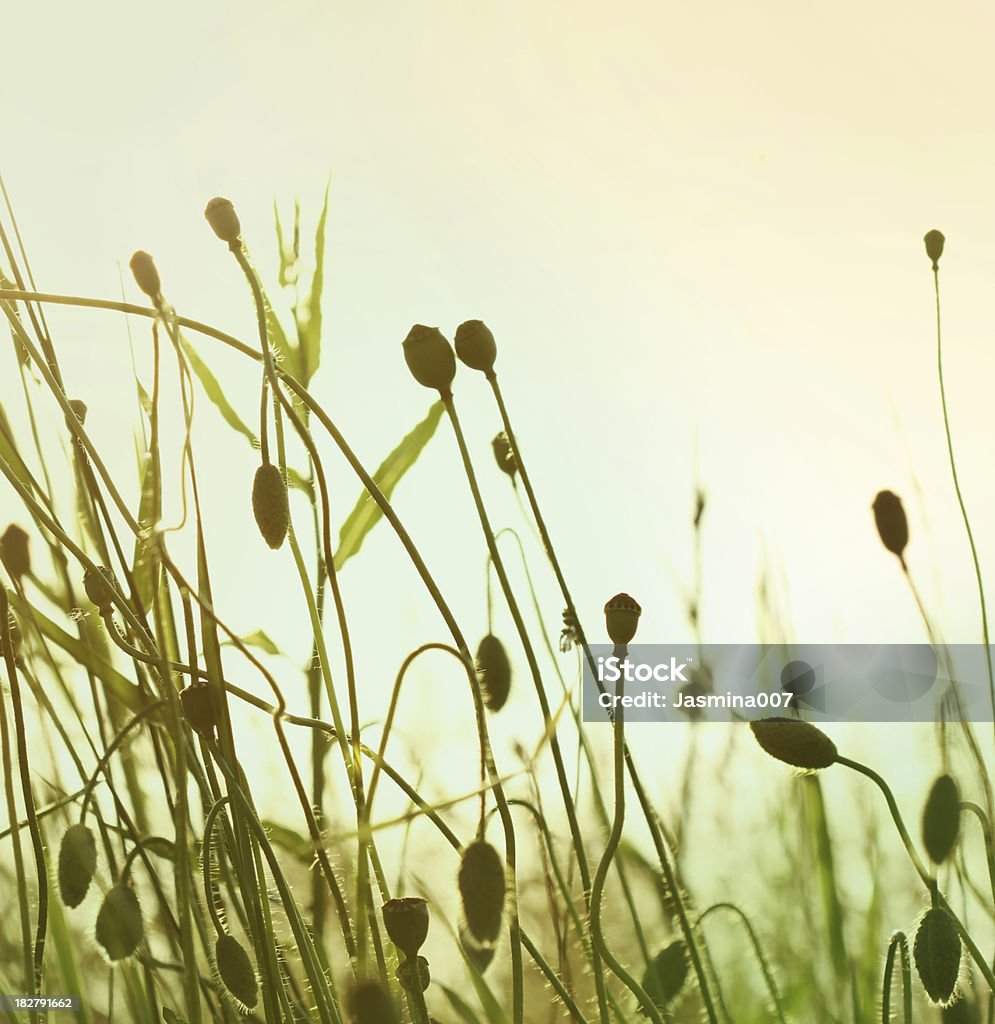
[(695, 230)]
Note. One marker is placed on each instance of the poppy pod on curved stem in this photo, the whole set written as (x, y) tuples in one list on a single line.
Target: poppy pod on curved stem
[(430, 358), (406, 921), (622, 619), (476, 347), (221, 215)]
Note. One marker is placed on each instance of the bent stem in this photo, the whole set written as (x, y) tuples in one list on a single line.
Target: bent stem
[(898, 944)]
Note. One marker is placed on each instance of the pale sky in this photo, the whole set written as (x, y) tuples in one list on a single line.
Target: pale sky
[(695, 230)]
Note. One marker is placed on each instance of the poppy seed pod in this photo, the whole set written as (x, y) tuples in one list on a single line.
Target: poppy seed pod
[(270, 504), (937, 953), (622, 618), (99, 587), (934, 246), (223, 219), (795, 742), (406, 921), (889, 516), (475, 346), (941, 819), (14, 552), (504, 455), (145, 274), (77, 863), (430, 358)]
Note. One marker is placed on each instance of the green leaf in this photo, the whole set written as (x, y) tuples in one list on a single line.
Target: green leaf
[(366, 513), (171, 1018), (9, 453), (310, 332), (294, 843), (215, 392), (262, 641), (146, 563), (161, 847)]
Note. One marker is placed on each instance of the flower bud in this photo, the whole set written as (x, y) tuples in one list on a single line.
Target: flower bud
[(666, 973), (270, 504), (406, 921), (475, 346), (119, 924), (14, 552), (482, 886), (795, 742), (937, 953), (941, 819), (430, 358), (889, 516), (479, 954), (99, 587), (197, 703), (236, 970), (621, 618), (493, 671), (504, 455), (223, 219), (77, 863), (145, 274), (934, 246), (369, 1003)]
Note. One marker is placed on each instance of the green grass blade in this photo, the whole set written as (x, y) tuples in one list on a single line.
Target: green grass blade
[(215, 392), (310, 334)]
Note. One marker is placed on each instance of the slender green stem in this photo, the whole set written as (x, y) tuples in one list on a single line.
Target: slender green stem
[(899, 944)]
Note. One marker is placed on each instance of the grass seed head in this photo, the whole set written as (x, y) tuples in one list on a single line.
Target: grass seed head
[(889, 516), (406, 921), (430, 358), (941, 819), (622, 618), (937, 953), (197, 702), (271, 505), (119, 923), (77, 863), (146, 276), (14, 551), (795, 742), (475, 346), (482, 887), (99, 587), (494, 672), (934, 246), (236, 970), (504, 455), (369, 1003), (665, 976), (221, 215)]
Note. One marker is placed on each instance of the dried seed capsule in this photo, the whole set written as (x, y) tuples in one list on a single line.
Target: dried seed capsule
[(889, 516), (934, 246), (197, 702), (795, 742), (414, 975), (146, 276), (236, 970), (504, 455), (482, 887), (14, 551), (221, 215), (77, 863), (270, 504), (406, 921), (99, 587), (941, 819), (622, 618), (665, 976), (371, 1004), (430, 358), (119, 923), (937, 952), (475, 346), (493, 671)]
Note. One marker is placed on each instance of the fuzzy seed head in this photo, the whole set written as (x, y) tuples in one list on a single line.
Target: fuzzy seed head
[(494, 672), (934, 246), (941, 819), (271, 505), (482, 887), (371, 1004), (475, 346), (119, 923), (795, 742), (197, 703), (665, 976), (146, 276), (406, 921), (622, 618), (889, 516), (504, 455), (14, 551), (236, 970), (937, 953), (77, 863), (221, 215), (430, 358), (99, 587)]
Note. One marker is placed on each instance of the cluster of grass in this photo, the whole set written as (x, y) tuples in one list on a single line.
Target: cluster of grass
[(153, 885)]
